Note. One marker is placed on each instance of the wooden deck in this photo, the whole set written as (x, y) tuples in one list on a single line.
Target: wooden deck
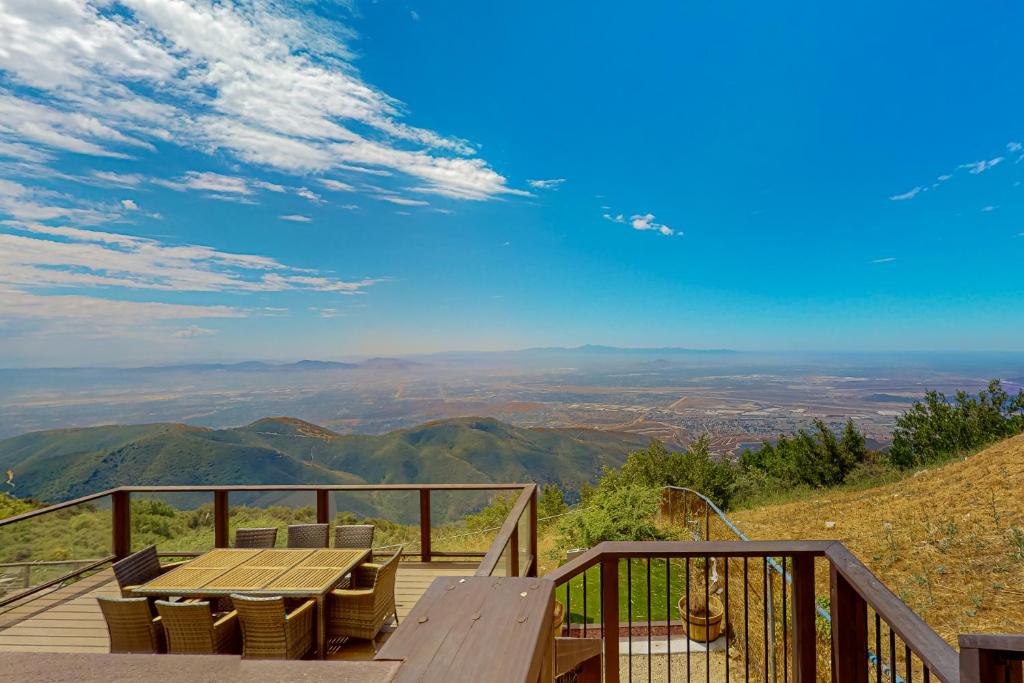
[(68, 619)]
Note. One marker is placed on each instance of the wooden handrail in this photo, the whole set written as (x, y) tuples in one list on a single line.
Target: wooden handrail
[(940, 658), (504, 537), (53, 582), (53, 508)]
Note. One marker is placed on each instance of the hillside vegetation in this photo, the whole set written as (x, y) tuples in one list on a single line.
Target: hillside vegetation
[(60, 464), (948, 540)]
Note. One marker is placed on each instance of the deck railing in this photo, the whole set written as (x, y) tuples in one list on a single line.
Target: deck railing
[(512, 552), (780, 624)]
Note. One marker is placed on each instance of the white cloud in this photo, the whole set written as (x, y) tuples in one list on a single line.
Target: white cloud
[(194, 331), (981, 166), (618, 218), (910, 194), (44, 256), (306, 193), (327, 312), (129, 205), (414, 14), (546, 184), (112, 313), (336, 185), (268, 83), (646, 222), (401, 201), (887, 259), (989, 208), (1014, 146), (296, 218)]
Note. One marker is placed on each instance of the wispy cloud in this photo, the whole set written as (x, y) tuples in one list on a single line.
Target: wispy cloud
[(989, 208), (642, 222), (973, 168), (336, 185), (193, 331), (296, 218), (887, 259), (910, 194), (267, 83), (552, 184), (401, 201)]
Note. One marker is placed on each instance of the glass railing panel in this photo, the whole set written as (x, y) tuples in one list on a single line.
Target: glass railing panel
[(270, 509), (394, 514), (174, 522), (39, 549), (524, 542)]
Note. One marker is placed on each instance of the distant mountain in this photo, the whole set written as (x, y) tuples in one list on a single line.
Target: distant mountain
[(246, 366), (61, 464)]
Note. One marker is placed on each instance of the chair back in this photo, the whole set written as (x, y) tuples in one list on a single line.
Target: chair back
[(131, 626), (137, 568), (256, 538), (188, 627), (308, 535), (353, 536), (263, 626), (384, 587)]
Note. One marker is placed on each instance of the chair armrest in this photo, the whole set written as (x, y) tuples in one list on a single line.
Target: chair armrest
[(302, 610), (224, 620), (172, 565), (365, 575), (343, 593), (128, 591)]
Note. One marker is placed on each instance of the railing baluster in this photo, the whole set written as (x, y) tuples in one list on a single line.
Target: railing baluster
[(686, 587), (629, 616), (764, 609), (892, 653), (878, 647), (668, 618), (725, 626), (584, 603), (650, 668), (610, 617), (746, 620), (707, 614), (568, 607), (909, 662), (785, 627)]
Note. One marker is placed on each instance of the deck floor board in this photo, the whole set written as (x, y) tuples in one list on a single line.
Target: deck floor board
[(68, 619)]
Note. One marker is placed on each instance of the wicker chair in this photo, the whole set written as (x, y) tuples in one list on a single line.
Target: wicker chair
[(308, 535), (362, 611), (269, 632), (256, 538), (138, 568), (353, 536), (131, 625), (190, 629)]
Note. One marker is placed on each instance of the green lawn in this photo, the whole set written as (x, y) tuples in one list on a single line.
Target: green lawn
[(666, 587)]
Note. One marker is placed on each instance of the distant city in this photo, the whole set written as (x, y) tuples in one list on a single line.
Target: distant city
[(738, 399)]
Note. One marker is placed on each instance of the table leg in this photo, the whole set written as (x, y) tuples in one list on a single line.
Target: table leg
[(321, 627)]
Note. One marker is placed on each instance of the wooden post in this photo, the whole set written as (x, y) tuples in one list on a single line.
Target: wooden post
[(220, 520), (849, 631), (610, 617), (805, 658), (990, 657), (513, 552), (121, 519), (533, 534), (323, 506), (425, 525)]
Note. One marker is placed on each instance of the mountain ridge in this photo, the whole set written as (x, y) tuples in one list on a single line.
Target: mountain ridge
[(62, 464)]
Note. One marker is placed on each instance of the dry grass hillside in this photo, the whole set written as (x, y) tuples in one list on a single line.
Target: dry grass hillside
[(949, 541)]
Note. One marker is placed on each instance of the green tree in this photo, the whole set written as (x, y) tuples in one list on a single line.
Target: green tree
[(612, 513)]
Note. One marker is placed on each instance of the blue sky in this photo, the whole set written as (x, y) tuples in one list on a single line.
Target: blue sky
[(184, 180)]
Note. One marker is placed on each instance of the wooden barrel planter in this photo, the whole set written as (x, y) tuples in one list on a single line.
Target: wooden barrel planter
[(703, 627)]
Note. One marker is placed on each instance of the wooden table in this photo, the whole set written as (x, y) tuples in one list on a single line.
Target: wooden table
[(476, 629), (291, 573)]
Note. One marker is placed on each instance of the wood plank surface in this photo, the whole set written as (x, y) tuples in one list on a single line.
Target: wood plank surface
[(69, 619)]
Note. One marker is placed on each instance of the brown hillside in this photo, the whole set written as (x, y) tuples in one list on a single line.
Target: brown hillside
[(949, 541)]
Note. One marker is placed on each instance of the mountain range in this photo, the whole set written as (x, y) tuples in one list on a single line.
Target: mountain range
[(61, 464)]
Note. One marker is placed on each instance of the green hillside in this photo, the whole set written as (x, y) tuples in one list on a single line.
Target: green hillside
[(61, 464)]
